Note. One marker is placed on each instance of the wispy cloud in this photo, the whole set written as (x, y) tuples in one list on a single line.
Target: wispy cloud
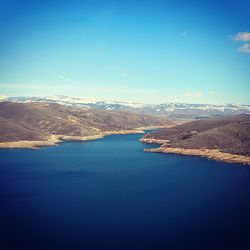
[(2, 97), (241, 37), (155, 98), (198, 94), (245, 48), (212, 92), (184, 33), (124, 74), (33, 86), (65, 78)]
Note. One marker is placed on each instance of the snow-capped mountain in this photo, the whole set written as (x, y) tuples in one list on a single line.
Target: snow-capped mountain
[(172, 110)]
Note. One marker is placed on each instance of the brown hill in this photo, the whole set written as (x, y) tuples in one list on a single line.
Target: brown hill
[(228, 134), (38, 121)]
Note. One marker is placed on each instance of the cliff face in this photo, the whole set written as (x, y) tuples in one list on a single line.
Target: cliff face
[(228, 134), (39, 121)]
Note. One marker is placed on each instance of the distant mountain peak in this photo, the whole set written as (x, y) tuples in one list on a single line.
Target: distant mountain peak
[(171, 110)]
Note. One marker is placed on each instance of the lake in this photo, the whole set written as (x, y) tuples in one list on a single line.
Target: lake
[(109, 194)]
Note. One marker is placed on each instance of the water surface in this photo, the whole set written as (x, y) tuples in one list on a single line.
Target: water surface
[(109, 194)]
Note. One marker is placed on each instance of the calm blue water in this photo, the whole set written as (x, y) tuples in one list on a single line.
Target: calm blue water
[(108, 194)]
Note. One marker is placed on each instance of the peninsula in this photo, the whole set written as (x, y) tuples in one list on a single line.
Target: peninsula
[(219, 138)]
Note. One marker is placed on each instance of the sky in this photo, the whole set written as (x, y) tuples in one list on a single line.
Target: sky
[(140, 51)]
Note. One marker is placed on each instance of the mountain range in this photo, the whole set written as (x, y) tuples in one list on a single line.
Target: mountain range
[(172, 110)]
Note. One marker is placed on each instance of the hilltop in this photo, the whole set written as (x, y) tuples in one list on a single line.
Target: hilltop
[(43, 121)]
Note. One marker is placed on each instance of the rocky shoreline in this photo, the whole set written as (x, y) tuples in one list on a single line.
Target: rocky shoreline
[(213, 154)]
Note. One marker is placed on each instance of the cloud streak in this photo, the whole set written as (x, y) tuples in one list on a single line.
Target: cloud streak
[(194, 94), (212, 92), (124, 74), (184, 33), (33, 86), (65, 78)]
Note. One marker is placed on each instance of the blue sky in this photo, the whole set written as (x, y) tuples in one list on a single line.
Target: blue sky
[(142, 51)]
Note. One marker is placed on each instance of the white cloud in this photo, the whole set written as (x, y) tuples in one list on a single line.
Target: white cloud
[(34, 87), (124, 73), (184, 33), (65, 78), (2, 97), (154, 98), (198, 94), (242, 37), (212, 92), (245, 48)]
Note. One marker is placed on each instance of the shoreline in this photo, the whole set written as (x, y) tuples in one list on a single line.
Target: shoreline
[(211, 154), (53, 140), (153, 141)]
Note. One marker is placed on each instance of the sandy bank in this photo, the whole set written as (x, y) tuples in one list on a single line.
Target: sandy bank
[(213, 154), (53, 140)]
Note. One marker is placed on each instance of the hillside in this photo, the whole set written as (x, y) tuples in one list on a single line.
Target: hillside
[(226, 135), (39, 121)]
